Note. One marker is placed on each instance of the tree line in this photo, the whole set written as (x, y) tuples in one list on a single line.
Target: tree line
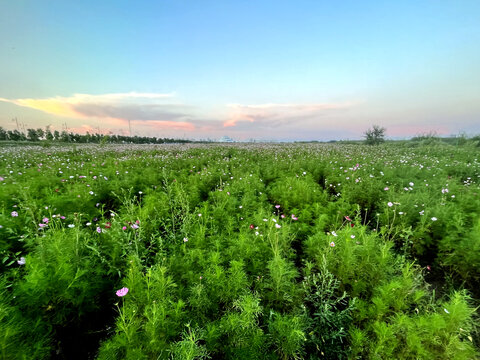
[(36, 135)]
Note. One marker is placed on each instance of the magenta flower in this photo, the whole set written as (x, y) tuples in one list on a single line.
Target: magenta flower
[(124, 228), (45, 220), (122, 292)]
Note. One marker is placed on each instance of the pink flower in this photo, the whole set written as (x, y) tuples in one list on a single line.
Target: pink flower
[(124, 228), (14, 214), (348, 218), (332, 244), (99, 229), (277, 206), (294, 217), (278, 226), (122, 292)]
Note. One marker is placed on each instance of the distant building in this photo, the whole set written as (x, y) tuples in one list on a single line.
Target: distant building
[(226, 139)]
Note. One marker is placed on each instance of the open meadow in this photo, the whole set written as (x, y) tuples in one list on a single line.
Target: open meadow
[(240, 251)]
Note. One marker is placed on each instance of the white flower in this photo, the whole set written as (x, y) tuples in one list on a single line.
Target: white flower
[(390, 204), (434, 218), (71, 226), (22, 261), (278, 226), (352, 236), (410, 183), (185, 239), (334, 233)]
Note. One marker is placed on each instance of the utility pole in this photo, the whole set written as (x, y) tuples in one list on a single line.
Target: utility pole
[(16, 121)]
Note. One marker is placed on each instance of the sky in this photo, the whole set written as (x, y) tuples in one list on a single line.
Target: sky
[(265, 70)]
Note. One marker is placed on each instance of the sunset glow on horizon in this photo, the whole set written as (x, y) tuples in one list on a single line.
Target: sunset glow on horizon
[(305, 70)]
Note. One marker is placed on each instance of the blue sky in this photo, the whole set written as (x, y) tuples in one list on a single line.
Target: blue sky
[(248, 69)]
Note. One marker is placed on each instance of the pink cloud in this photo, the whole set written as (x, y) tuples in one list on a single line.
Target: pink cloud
[(280, 114)]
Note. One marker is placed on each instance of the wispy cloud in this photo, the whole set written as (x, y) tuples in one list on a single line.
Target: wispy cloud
[(275, 115), (118, 106)]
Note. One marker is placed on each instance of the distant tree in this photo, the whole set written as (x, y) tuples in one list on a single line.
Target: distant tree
[(40, 133), (16, 135), (3, 134), (49, 135), (375, 135), (64, 137), (32, 135), (56, 135)]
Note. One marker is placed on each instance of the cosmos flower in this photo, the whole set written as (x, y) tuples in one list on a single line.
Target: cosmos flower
[(22, 261), (14, 213), (332, 244), (122, 292)]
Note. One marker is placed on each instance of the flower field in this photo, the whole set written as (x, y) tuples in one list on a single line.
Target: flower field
[(240, 251)]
